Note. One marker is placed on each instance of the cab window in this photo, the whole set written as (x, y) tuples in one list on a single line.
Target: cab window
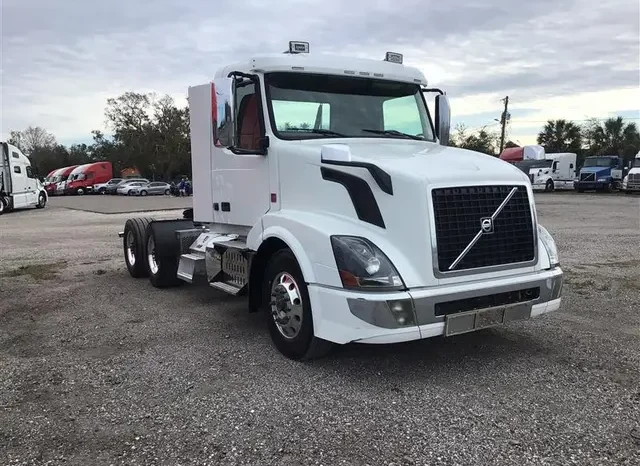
[(16, 169), (30, 172)]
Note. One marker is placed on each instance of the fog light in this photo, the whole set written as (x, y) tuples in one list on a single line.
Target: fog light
[(402, 311)]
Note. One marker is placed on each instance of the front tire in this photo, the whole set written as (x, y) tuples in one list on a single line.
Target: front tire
[(3, 206), (549, 187), (609, 187), (143, 193), (288, 309), (80, 191), (42, 201), (134, 242)]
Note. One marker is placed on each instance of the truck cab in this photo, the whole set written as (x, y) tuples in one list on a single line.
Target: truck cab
[(600, 173), (326, 193), (556, 171), (19, 184), (82, 179), (631, 182)]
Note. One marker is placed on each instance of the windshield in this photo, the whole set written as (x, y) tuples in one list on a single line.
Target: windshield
[(599, 162), (304, 106), (527, 165), (636, 163)]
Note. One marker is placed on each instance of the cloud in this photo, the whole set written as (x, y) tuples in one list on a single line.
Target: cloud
[(61, 60)]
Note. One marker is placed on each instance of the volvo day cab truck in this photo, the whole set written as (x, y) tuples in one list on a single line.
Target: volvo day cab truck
[(324, 192), (555, 171), (600, 173), (19, 185), (631, 182)]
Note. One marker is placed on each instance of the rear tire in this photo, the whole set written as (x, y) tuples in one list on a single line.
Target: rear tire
[(167, 192), (162, 267), (134, 245), (288, 309)]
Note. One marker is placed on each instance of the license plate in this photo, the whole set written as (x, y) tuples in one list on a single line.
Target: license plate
[(471, 321)]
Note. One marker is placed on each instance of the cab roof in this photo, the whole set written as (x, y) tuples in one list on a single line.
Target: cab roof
[(327, 64)]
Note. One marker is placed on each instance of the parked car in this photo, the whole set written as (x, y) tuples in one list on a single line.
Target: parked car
[(131, 189), (113, 189), (155, 188), (101, 188)]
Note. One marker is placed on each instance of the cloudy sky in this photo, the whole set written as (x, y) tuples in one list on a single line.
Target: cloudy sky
[(571, 59)]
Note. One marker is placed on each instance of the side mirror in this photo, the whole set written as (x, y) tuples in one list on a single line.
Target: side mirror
[(223, 124), (339, 153), (443, 119)]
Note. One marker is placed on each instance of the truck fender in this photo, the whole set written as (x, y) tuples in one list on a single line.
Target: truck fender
[(292, 243)]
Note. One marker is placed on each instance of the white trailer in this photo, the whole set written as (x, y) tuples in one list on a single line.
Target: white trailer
[(19, 184), (325, 193)]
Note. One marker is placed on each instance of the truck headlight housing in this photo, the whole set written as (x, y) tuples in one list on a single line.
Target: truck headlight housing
[(362, 265), (549, 245)]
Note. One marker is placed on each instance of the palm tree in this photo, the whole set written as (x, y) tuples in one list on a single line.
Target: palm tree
[(612, 137), (560, 136)]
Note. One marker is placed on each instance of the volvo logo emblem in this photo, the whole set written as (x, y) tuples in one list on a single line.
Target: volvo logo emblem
[(486, 224)]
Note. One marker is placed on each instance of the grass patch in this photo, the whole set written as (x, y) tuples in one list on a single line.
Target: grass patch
[(38, 271)]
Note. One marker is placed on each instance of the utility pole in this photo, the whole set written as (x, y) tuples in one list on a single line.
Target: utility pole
[(503, 121)]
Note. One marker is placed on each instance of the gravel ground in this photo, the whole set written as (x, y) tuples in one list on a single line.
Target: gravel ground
[(98, 368)]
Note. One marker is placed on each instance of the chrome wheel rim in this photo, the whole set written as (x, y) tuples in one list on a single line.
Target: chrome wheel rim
[(151, 255), (131, 248), (286, 305), (41, 201)]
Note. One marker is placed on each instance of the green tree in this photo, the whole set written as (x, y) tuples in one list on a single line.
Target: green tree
[(483, 140), (612, 137), (560, 136)]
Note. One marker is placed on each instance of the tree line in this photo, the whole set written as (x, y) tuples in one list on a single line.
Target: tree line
[(149, 133), (595, 137)]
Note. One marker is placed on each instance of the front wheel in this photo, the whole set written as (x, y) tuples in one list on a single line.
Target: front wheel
[(42, 201), (609, 187), (549, 187), (3, 205), (80, 191), (143, 193), (167, 192), (288, 309)]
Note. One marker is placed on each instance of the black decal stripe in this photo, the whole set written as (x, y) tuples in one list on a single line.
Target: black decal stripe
[(360, 193), (379, 175)]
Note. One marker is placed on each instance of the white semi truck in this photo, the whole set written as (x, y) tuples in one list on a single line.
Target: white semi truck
[(19, 184), (631, 182), (325, 192)]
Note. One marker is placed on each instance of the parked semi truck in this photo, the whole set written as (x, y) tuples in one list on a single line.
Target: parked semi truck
[(325, 192), (546, 172), (600, 173), (631, 182), (19, 184)]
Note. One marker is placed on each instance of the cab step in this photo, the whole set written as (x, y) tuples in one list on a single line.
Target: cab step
[(231, 288), (190, 265)]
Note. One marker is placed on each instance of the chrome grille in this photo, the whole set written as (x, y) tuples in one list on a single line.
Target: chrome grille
[(587, 176), (458, 213)]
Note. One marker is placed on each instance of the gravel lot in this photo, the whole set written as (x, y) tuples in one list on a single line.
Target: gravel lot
[(98, 368)]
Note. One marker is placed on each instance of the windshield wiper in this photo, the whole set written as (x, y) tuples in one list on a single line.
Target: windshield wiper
[(393, 132), (325, 132)]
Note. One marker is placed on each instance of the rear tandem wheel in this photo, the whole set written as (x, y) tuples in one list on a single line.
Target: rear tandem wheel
[(134, 245)]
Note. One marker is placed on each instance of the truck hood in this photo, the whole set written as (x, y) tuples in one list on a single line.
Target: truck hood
[(433, 163), (593, 169)]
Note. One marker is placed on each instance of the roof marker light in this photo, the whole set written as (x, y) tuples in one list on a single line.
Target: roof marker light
[(394, 58), (298, 47)]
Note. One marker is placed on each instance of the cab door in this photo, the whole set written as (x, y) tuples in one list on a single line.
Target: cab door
[(19, 182), (32, 186), (241, 188)]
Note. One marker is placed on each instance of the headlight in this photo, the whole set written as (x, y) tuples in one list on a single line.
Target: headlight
[(362, 265), (602, 180), (549, 244)]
